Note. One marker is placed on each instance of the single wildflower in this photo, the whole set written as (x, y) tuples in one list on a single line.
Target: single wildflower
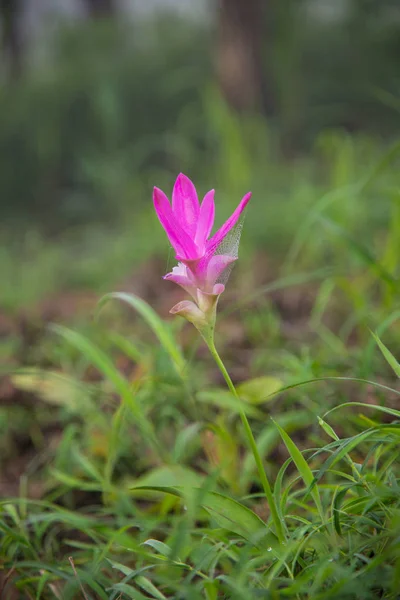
[(203, 261)]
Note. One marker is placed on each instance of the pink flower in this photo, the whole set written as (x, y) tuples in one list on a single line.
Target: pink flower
[(202, 259)]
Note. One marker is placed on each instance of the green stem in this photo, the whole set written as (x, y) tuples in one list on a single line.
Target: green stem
[(252, 442)]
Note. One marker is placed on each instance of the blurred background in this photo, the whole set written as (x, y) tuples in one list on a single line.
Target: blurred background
[(102, 99)]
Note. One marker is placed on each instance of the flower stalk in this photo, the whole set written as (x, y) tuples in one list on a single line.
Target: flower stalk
[(209, 339)]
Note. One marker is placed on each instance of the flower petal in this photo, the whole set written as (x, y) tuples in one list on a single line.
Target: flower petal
[(179, 279), (197, 269), (185, 204), (207, 301), (190, 311), (206, 219), (179, 239), (216, 266), (217, 238), (218, 289), (205, 271), (182, 279)]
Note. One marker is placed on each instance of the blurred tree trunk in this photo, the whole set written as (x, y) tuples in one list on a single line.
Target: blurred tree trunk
[(11, 38), (100, 8), (239, 54)]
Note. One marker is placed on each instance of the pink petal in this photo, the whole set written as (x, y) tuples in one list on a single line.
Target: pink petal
[(217, 238), (179, 279), (206, 219), (218, 289), (217, 266), (204, 272), (197, 269), (185, 204), (183, 281), (179, 239)]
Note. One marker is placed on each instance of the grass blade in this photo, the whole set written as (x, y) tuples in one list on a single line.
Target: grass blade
[(302, 467), (387, 354)]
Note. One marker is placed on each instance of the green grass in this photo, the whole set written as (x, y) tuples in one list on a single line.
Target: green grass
[(147, 486)]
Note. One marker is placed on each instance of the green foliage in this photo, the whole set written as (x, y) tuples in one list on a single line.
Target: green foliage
[(179, 530)]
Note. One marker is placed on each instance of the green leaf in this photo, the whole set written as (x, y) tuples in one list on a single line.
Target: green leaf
[(385, 409), (129, 591), (327, 428), (234, 516), (332, 434), (87, 466), (122, 568), (380, 386), (45, 577), (224, 399), (337, 503), (159, 547), (388, 355), (366, 360), (74, 482), (149, 587), (52, 387), (169, 476), (228, 513), (259, 389), (185, 441), (302, 467)]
